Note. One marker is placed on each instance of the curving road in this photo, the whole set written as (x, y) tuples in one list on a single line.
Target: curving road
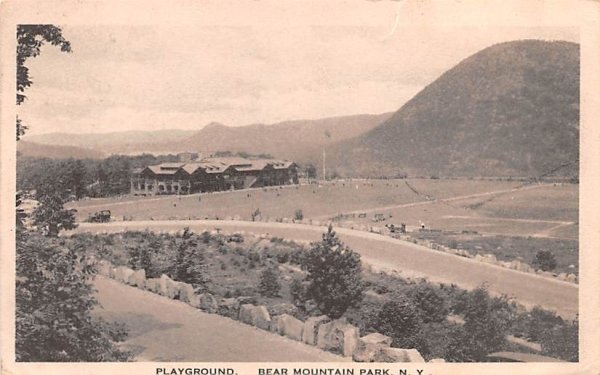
[(165, 330), (407, 258)]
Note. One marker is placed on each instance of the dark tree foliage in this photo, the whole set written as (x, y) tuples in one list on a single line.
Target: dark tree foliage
[(400, 320), (485, 328), (269, 285), (334, 275), (51, 217), (140, 258), (311, 171), (30, 39), (430, 301), (53, 304), (562, 342), (540, 322), (190, 262), (85, 177), (545, 260)]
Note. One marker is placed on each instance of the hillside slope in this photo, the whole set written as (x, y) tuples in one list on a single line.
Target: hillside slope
[(296, 140), (510, 109)]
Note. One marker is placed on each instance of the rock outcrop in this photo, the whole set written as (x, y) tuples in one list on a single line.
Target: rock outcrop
[(339, 337), (288, 326)]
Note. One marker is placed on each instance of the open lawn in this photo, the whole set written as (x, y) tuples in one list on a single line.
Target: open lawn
[(314, 200)]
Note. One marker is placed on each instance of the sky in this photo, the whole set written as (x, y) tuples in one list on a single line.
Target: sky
[(246, 62)]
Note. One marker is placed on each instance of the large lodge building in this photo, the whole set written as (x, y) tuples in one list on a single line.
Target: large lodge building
[(212, 174)]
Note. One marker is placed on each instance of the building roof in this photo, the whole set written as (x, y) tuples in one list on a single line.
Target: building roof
[(227, 161), (219, 165), (158, 169)]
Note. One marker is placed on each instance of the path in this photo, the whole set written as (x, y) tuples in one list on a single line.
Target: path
[(165, 330), (407, 258), (434, 201)]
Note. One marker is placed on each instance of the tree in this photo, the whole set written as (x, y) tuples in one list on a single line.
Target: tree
[(430, 302), (484, 331), (30, 39), (53, 306), (562, 341), (334, 275), (298, 214), (190, 264), (269, 283), (400, 320), (311, 171), (545, 260), (51, 216)]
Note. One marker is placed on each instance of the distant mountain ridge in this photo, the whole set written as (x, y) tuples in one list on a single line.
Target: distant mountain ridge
[(295, 140), (113, 142), (510, 109)]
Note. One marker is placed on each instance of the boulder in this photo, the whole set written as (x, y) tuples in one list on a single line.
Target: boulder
[(112, 272), (153, 285), (339, 337), (368, 347), (209, 303), (437, 360), (104, 268), (288, 326), (571, 278), (398, 355), (195, 301), (186, 292), (168, 287), (311, 328), (138, 278), (257, 316), (229, 307), (123, 273)]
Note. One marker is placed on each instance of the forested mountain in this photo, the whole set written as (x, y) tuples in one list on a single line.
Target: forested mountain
[(510, 109)]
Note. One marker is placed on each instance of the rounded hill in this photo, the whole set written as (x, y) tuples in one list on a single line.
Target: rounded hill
[(511, 109)]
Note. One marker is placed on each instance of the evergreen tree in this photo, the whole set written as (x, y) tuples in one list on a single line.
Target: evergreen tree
[(334, 275), (190, 263)]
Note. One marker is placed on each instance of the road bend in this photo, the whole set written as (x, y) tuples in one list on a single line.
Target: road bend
[(408, 259)]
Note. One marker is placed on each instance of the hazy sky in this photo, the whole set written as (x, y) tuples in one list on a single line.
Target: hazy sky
[(281, 61)]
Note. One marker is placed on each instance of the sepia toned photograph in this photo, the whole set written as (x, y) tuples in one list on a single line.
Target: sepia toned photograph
[(270, 183)]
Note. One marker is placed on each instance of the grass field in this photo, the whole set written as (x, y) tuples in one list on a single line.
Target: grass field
[(542, 211)]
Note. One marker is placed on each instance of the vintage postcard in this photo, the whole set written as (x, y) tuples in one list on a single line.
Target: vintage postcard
[(300, 187)]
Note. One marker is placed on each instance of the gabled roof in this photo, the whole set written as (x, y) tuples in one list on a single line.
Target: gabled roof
[(282, 164), (158, 169), (227, 161)]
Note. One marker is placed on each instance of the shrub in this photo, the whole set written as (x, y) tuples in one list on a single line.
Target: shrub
[(562, 342), (298, 214), (545, 260), (400, 320), (269, 285), (430, 301), (298, 293), (484, 331), (334, 275), (540, 322)]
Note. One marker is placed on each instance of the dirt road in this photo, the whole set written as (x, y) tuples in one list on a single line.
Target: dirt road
[(407, 258), (165, 330)]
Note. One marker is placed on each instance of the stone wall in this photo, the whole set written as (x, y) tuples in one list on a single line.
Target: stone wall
[(337, 336)]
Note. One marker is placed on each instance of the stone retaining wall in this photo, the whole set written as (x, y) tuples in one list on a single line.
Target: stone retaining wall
[(337, 336)]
